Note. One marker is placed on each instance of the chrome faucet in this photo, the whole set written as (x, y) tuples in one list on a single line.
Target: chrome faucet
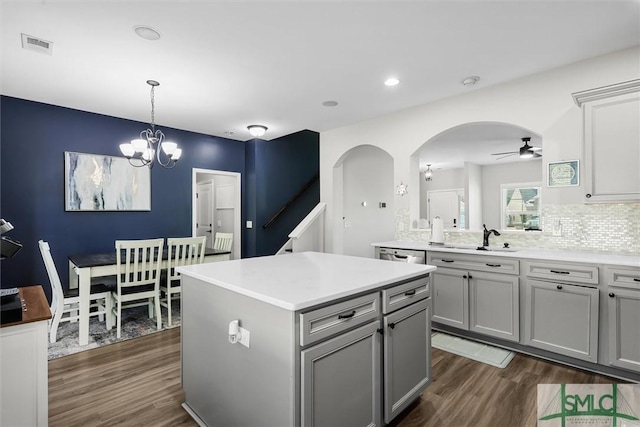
[(487, 233)]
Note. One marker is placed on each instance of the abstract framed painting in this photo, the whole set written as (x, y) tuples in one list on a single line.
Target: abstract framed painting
[(95, 182)]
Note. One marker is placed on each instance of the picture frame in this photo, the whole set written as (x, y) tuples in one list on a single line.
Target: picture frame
[(565, 173), (94, 182)]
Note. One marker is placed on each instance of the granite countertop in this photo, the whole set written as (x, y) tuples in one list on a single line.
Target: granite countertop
[(302, 280), (520, 253)]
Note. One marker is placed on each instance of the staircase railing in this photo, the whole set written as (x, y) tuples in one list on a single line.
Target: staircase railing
[(309, 234), (291, 201)]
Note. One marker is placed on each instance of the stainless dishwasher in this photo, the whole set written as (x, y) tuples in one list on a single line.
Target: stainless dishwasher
[(403, 255)]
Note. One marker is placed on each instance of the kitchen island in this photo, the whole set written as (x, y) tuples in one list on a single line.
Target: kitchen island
[(330, 340)]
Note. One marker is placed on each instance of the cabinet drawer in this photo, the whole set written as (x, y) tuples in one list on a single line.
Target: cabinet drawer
[(575, 273), (475, 262), (405, 294), (326, 321), (623, 277)]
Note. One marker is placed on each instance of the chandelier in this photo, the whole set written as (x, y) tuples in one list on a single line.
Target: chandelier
[(145, 150)]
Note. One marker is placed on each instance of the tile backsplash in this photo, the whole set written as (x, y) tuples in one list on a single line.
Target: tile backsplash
[(611, 228)]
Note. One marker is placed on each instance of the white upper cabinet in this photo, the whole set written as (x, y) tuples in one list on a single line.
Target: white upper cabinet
[(611, 142)]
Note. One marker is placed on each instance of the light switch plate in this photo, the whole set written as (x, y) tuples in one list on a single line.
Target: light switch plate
[(249, 224)]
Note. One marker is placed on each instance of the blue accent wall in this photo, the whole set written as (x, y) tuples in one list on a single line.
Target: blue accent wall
[(34, 137), (282, 167)]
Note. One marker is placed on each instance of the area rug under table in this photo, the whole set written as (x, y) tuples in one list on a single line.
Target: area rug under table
[(480, 352), (135, 323)]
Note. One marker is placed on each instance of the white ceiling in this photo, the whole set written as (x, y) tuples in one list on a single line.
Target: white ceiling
[(224, 65)]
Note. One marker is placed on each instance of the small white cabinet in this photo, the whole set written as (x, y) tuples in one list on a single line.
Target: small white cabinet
[(611, 142), (623, 292), (24, 365)]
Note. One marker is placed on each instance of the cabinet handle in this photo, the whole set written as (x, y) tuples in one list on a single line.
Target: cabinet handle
[(588, 196), (392, 325), (409, 293), (347, 315), (494, 265), (559, 286), (635, 279), (559, 272), (379, 330), (447, 260), (470, 277), (612, 295), (464, 277)]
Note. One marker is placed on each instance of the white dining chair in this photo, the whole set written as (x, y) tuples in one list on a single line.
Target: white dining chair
[(64, 302), (138, 278), (223, 241), (182, 251)]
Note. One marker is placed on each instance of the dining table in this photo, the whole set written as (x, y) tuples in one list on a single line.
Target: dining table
[(84, 267)]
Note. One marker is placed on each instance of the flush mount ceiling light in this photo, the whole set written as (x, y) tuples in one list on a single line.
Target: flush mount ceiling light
[(257, 130), (145, 150), (428, 174), (391, 81), (470, 81), (146, 33)]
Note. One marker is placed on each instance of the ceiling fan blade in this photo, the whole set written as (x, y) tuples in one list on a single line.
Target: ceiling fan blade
[(507, 155), (535, 148), (536, 155), (500, 154)]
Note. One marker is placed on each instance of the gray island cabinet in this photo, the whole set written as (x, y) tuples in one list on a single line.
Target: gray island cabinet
[(333, 340)]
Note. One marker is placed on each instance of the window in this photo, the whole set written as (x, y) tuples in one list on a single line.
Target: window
[(520, 206)]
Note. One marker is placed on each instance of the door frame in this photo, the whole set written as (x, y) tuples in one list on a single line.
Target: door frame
[(237, 216)]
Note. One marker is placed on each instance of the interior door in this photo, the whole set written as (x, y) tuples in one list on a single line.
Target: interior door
[(444, 204), (205, 216)]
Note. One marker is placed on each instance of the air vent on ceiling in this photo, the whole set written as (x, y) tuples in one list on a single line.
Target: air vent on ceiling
[(36, 44)]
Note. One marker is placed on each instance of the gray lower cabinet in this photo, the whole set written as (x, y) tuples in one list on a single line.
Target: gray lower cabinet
[(341, 380), (494, 304), (487, 303), (562, 318), (450, 297), (407, 359), (623, 291)]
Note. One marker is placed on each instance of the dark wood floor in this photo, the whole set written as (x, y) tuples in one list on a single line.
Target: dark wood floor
[(137, 383)]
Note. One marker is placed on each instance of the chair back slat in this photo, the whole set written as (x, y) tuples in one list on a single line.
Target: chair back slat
[(184, 251), (223, 241), (138, 262), (57, 293)]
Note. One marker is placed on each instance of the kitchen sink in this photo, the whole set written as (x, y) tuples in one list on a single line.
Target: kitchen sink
[(479, 248)]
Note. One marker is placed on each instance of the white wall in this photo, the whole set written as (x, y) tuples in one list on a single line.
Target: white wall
[(541, 103), (367, 176)]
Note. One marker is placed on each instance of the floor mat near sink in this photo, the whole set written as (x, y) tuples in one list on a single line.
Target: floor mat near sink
[(480, 352)]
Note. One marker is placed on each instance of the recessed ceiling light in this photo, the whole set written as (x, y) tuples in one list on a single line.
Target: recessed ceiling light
[(146, 33), (330, 103), (391, 81), (470, 81)]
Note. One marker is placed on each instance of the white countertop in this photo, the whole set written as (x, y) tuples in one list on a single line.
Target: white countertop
[(541, 254), (301, 280)]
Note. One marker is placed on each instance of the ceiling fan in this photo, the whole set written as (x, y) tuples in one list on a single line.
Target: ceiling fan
[(525, 152)]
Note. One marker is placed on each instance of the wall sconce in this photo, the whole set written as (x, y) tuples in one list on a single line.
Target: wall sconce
[(428, 173)]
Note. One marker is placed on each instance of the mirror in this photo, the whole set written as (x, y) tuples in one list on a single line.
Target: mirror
[(472, 172)]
